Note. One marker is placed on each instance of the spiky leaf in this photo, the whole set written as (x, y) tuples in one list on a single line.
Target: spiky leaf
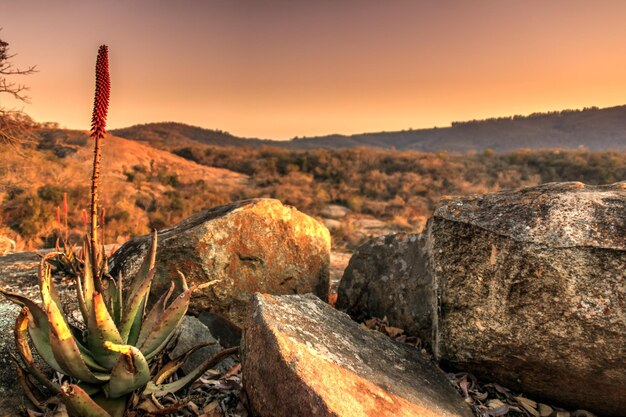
[(131, 371), (21, 341), (38, 328), (77, 399), (101, 328), (157, 337)]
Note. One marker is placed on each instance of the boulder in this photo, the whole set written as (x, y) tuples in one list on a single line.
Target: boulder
[(225, 331), (254, 245), (301, 357), (527, 288), (384, 277), (191, 333)]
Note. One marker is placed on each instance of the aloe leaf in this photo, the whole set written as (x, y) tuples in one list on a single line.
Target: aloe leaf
[(80, 296), (77, 399), (116, 407), (163, 330), (162, 389), (114, 298), (38, 328), (135, 307), (101, 328), (21, 341), (45, 275), (64, 346), (67, 352), (157, 337), (133, 334), (146, 266), (119, 312), (154, 315), (131, 371), (90, 389)]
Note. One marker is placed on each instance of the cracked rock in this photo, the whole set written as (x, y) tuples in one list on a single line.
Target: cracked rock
[(301, 357)]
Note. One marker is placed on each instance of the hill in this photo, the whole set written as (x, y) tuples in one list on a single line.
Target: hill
[(143, 187), (170, 135), (592, 128)]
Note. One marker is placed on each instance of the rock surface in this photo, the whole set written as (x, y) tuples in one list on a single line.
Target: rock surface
[(528, 289), (385, 277), (334, 211), (301, 357), (254, 245), (225, 331), (192, 333)]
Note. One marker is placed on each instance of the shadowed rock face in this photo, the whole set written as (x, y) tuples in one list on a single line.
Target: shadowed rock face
[(385, 277), (530, 288), (254, 245), (301, 357)]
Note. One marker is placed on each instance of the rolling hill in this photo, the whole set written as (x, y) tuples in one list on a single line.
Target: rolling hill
[(592, 128), (143, 187)]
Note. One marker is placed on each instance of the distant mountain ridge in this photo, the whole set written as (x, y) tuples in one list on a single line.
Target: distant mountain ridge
[(592, 128)]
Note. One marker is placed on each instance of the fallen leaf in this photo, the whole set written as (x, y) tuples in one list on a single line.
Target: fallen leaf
[(529, 405), (545, 410), (371, 323), (481, 396), (234, 370)]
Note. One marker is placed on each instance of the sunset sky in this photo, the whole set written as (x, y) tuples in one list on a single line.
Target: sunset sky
[(279, 69)]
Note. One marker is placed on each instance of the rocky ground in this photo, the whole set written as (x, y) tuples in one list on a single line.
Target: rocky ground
[(441, 323), (219, 392)]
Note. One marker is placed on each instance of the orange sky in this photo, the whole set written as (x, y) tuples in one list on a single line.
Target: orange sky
[(284, 68)]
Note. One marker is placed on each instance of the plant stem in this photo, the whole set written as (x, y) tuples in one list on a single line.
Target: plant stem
[(95, 184)]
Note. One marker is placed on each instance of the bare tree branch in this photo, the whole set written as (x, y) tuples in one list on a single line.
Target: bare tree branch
[(15, 125)]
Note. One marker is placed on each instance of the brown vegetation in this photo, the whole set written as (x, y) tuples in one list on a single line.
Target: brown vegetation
[(150, 188)]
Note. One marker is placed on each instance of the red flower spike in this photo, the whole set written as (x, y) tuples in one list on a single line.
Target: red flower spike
[(103, 92)]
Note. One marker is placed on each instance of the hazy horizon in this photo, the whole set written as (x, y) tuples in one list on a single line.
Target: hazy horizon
[(281, 69)]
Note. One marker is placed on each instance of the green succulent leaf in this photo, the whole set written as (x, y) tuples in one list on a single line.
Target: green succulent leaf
[(38, 328), (131, 371), (23, 348), (101, 328), (147, 265), (156, 338), (45, 277), (64, 347), (116, 407), (154, 315), (134, 307), (78, 400)]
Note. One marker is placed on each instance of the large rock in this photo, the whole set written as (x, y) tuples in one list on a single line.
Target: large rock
[(385, 277), (528, 288), (192, 333), (254, 245), (301, 357)]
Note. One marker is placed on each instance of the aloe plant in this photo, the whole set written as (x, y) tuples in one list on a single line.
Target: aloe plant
[(110, 358)]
